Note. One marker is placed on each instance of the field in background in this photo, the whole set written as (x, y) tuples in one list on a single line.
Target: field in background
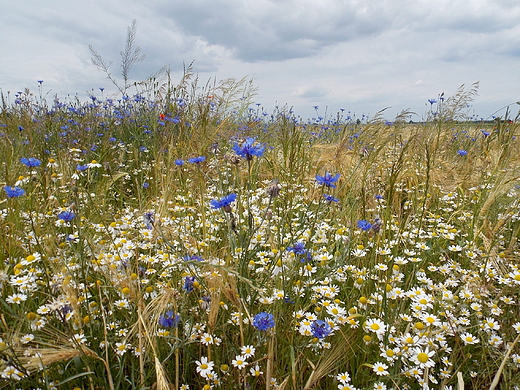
[(182, 240)]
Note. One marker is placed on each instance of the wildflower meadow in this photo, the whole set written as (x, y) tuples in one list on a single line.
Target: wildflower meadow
[(179, 237)]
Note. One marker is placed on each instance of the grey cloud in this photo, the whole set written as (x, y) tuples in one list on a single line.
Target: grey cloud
[(275, 31), (474, 17), (314, 92)]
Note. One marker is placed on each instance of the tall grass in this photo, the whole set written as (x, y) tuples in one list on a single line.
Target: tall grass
[(181, 240)]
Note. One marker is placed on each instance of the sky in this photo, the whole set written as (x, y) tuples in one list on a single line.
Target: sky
[(360, 56)]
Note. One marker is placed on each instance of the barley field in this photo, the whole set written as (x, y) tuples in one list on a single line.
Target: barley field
[(180, 239)]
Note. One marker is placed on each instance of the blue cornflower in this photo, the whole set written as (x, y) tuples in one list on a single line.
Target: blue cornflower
[(462, 152), (169, 319), (14, 192), (364, 225), (66, 309), (377, 225), (320, 329), (81, 168), (146, 185), (196, 160), (188, 283), (66, 216), (485, 133), (224, 203), (149, 219), (179, 162), (297, 249), (192, 258), (330, 198), (248, 150), (263, 321), (432, 101), (327, 180), (31, 161)]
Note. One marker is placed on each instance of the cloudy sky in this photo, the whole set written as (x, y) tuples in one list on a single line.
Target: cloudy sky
[(357, 55)]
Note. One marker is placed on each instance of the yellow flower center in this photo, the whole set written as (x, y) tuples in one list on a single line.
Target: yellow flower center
[(422, 357)]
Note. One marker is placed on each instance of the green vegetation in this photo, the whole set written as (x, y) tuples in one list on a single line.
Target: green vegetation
[(179, 240)]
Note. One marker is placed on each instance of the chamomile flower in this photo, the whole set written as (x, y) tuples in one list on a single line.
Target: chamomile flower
[(11, 372), (380, 369), (16, 298), (79, 338), (468, 338), (204, 367), (25, 339), (336, 310), (346, 386), (239, 362), (122, 304), (206, 339), (490, 324), (255, 371), (430, 319), (495, 340), (343, 377), (455, 248), (422, 357), (247, 351), (375, 325), (390, 354), (121, 348)]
